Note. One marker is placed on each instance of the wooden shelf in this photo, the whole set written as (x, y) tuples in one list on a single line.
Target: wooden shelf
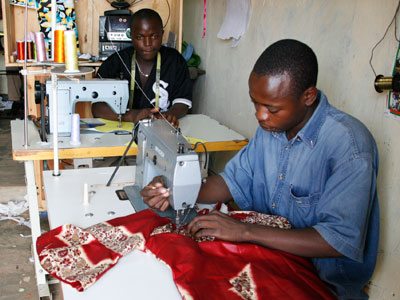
[(87, 20)]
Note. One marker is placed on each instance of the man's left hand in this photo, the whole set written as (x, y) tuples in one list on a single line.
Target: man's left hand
[(218, 225)]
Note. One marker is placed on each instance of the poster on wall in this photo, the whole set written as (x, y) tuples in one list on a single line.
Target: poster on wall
[(31, 3), (393, 99)]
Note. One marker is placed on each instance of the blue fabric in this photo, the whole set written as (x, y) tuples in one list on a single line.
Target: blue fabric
[(187, 54), (324, 178)]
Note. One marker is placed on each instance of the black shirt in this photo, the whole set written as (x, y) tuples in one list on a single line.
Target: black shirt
[(175, 83)]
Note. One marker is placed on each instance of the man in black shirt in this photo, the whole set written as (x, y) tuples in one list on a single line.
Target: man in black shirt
[(162, 82)]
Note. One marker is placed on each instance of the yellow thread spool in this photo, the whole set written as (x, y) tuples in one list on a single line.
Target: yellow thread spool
[(71, 55), (59, 56)]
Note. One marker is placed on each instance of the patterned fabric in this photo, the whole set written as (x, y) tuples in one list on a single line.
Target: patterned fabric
[(244, 216), (223, 269), (243, 284), (65, 16), (80, 257), (31, 3)]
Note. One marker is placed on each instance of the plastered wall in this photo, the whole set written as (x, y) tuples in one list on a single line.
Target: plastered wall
[(342, 34)]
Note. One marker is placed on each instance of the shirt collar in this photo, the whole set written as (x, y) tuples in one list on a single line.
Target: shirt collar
[(309, 133)]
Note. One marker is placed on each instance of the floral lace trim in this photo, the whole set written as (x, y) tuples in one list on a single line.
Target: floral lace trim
[(170, 228), (116, 238), (71, 264), (243, 284), (250, 217)]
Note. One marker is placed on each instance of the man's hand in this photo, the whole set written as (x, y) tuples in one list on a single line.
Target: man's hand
[(102, 110), (155, 195), (169, 117), (218, 225), (135, 115)]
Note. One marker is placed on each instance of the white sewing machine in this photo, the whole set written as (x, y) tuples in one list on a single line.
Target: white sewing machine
[(114, 92), (136, 273), (163, 151)]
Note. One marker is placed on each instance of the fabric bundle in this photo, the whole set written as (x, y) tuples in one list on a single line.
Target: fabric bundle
[(225, 270)]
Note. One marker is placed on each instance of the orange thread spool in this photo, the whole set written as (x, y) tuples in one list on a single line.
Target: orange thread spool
[(59, 55), (20, 50)]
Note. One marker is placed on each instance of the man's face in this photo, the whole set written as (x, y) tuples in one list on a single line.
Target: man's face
[(277, 109), (146, 38)]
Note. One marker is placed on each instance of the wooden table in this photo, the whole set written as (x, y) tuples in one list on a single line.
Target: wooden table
[(217, 137)]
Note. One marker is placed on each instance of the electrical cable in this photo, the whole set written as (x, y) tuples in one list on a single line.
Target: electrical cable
[(67, 163), (124, 155), (136, 83), (383, 37), (205, 150), (148, 99), (169, 14)]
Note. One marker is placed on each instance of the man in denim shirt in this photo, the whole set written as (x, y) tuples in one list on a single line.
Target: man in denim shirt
[(308, 162)]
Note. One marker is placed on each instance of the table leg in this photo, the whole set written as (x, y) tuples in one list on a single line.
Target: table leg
[(40, 273)]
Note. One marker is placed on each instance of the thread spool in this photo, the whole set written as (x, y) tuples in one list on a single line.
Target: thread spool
[(75, 130), (85, 194), (29, 50), (40, 47), (71, 54), (20, 51), (59, 55)]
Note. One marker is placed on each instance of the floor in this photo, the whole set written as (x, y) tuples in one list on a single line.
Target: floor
[(17, 279)]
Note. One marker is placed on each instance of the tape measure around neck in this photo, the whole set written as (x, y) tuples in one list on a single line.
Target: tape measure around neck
[(133, 76)]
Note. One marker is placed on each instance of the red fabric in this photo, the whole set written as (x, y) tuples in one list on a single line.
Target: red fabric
[(80, 257), (212, 266), (201, 270)]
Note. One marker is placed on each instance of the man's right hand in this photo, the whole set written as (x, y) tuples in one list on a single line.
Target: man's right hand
[(135, 115), (155, 195)]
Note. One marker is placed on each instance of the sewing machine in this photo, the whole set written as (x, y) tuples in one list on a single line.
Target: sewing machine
[(163, 151), (114, 92)]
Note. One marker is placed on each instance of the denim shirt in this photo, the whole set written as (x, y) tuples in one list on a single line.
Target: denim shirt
[(325, 178)]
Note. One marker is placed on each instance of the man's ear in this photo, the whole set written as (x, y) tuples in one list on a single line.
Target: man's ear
[(310, 96)]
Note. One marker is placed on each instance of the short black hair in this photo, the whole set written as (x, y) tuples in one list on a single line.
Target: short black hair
[(147, 14), (293, 57)]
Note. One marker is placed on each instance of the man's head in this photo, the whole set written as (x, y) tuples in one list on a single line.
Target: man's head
[(282, 86), (146, 33)]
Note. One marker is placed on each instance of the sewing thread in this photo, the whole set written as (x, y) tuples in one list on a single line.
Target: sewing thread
[(29, 50), (75, 130), (71, 54), (20, 51), (40, 47), (59, 55)]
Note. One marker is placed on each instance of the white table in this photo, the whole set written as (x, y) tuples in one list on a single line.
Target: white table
[(138, 275), (217, 137)]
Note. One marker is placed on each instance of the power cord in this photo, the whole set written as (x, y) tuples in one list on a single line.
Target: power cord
[(205, 151), (383, 37)]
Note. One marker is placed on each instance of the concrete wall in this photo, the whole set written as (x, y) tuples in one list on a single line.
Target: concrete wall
[(342, 34)]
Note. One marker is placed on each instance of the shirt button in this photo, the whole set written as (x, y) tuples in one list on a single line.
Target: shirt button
[(280, 176), (299, 139), (287, 147), (273, 204)]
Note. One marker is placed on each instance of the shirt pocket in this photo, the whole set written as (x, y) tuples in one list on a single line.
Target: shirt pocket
[(302, 198)]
